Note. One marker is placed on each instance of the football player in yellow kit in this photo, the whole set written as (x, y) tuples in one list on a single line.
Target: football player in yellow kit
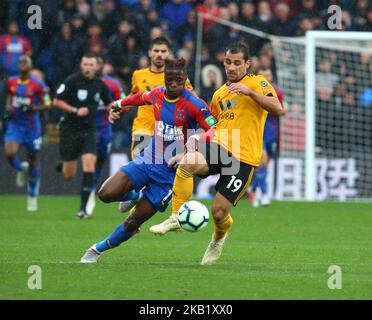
[(232, 148)]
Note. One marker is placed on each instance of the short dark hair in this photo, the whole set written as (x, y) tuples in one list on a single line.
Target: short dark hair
[(160, 40), (89, 55), (175, 64), (237, 47)]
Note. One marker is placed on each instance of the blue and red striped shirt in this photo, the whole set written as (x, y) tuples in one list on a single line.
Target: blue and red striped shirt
[(175, 121), (23, 96), (11, 48)]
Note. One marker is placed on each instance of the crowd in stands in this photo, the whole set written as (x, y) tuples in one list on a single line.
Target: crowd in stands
[(120, 31)]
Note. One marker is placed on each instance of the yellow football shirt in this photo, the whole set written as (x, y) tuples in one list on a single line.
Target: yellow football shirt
[(241, 120), (145, 80)]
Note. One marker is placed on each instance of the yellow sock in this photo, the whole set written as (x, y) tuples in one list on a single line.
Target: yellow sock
[(183, 187), (221, 227)]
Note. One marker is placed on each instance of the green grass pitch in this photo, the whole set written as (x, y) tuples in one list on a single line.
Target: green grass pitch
[(279, 252)]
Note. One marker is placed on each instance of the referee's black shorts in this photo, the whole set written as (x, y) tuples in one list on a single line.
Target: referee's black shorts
[(74, 143), (235, 176)]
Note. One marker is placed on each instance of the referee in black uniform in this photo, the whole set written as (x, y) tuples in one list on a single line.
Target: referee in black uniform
[(79, 97)]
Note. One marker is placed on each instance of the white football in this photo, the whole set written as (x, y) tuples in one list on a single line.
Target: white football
[(193, 216)]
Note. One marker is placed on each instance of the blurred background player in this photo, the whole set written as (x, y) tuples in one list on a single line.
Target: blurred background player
[(26, 96), (104, 128), (176, 110), (270, 148), (144, 122), (79, 97)]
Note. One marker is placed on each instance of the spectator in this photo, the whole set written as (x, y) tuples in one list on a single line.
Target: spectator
[(248, 18), (144, 20), (95, 40), (325, 76), (83, 8), (264, 13), (211, 8), (12, 46), (112, 18), (307, 9), (304, 25), (291, 4), (126, 61), (188, 29), (155, 32), (282, 25), (66, 53), (360, 16), (67, 12), (174, 13), (234, 11), (78, 30), (365, 99), (212, 79), (117, 43), (219, 34)]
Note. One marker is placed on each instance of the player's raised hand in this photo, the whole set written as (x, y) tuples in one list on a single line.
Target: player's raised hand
[(236, 87), (113, 116), (82, 112)]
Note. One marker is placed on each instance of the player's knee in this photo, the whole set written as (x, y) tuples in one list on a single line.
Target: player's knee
[(10, 153), (104, 194), (219, 211)]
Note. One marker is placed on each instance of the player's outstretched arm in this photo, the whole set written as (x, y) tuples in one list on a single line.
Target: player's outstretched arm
[(138, 99), (270, 103)]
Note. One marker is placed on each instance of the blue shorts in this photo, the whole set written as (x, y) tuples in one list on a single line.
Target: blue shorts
[(104, 143), (156, 178), (31, 139), (270, 146)]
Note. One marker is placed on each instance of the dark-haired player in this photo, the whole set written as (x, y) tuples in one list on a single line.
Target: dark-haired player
[(26, 96), (232, 148), (176, 110), (143, 124), (79, 97)]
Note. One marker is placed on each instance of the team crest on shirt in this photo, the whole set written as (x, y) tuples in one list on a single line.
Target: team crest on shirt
[(180, 116), (82, 94)]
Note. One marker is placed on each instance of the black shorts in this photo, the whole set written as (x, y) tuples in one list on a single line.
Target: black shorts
[(235, 176), (74, 143)]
